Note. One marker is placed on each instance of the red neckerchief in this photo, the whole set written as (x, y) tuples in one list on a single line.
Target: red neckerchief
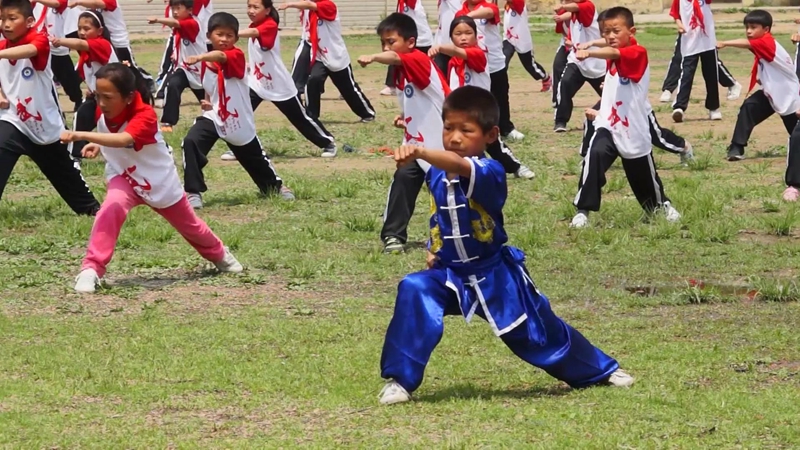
[(176, 42), (754, 70), (697, 19), (313, 35), (460, 66), (115, 123), (223, 98), (41, 18), (611, 67)]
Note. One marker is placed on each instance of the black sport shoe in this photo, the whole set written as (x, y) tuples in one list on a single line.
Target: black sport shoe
[(560, 127), (735, 152)]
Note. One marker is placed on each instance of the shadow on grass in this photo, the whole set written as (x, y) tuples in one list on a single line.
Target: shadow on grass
[(468, 391), (156, 283)]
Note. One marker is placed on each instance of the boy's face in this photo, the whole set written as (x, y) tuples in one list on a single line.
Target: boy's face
[(180, 12), (391, 41), (616, 32), (15, 24), (464, 136), (755, 31), (223, 38)]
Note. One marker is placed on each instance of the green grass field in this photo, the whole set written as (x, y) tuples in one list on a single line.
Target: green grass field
[(171, 355)]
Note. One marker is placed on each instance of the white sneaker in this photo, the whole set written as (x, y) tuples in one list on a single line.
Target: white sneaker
[(196, 200), (286, 193), (620, 378), (671, 213), (687, 155), (735, 91), (228, 156), (524, 172), (581, 220), (677, 115), (515, 135), (393, 393), (329, 151), (715, 115), (86, 281), (388, 91), (666, 97), (229, 263)]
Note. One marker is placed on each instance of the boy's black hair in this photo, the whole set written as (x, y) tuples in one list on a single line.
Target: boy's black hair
[(189, 4), (223, 20), (97, 19), (404, 25), (478, 103), (463, 19), (758, 17), (127, 80), (617, 12), (24, 6)]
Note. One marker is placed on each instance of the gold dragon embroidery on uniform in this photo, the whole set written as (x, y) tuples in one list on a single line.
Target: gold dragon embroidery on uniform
[(436, 234), (483, 228)]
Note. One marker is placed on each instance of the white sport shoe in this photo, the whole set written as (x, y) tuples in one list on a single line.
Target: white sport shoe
[(388, 91), (228, 156), (735, 91), (581, 220), (86, 281), (515, 135), (229, 263), (677, 115), (666, 97), (329, 151), (524, 172), (671, 213), (715, 115), (393, 393), (196, 200), (687, 155), (620, 378)]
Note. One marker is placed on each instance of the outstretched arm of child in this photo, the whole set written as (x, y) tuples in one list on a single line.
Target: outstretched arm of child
[(70, 43), (4, 104), (570, 7), (600, 43), (448, 161), (248, 33), (389, 58), (599, 53), (91, 4), (449, 50), (298, 5), (114, 140), (737, 43), (215, 56), (481, 13), (21, 52), (563, 17), (90, 151), (166, 21), (50, 3)]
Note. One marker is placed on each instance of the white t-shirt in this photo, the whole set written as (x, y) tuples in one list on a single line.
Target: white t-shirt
[(115, 24), (698, 23), (203, 10), (100, 53), (232, 111), (330, 48), (515, 25), (776, 75), (583, 27), (624, 107), (415, 10), (447, 12), (71, 17), (147, 165), (28, 85), (489, 35), (421, 90), (189, 42), (267, 75), (54, 26), (470, 71)]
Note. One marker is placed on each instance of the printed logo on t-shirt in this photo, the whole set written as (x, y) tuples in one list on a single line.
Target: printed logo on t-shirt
[(484, 21), (264, 78), (411, 138), (405, 9), (510, 35), (319, 22), (624, 81), (187, 42), (513, 13), (27, 73), (409, 91), (615, 118), (467, 78)]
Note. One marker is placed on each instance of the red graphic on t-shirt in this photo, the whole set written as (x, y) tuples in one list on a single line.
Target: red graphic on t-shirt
[(24, 115), (510, 35), (409, 137), (615, 117), (224, 114), (135, 184), (259, 74), (189, 68)]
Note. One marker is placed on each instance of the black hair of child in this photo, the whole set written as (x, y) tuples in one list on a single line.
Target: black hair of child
[(758, 17), (272, 11), (24, 6), (463, 19), (404, 25), (188, 4), (127, 80), (618, 12), (476, 102), (223, 20)]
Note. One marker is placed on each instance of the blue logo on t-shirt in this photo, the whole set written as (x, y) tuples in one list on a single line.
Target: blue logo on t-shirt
[(467, 78), (27, 73), (483, 21), (187, 42), (624, 81), (513, 14), (405, 8), (319, 22), (409, 91)]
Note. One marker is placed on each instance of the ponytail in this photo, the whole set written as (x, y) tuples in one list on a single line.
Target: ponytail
[(127, 80), (276, 16)]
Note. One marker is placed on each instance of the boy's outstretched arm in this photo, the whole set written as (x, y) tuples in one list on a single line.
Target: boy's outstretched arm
[(298, 5), (389, 58), (215, 56), (570, 7), (91, 4), (448, 161), (21, 52), (600, 43), (166, 21), (599, 53), (738, 43)]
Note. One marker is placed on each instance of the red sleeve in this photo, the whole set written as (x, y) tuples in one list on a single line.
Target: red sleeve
[(585, 14), (632, 62), (326, 10), (764, 47), (99, 50), (417, 68), (560, 25), (412, 4), (62, 6), (675, 10), (267, 33), (110, 5), (476, 59), (39, 40), (518, 6), (143, 127), (189, 29), (496, 19), (234, 67)]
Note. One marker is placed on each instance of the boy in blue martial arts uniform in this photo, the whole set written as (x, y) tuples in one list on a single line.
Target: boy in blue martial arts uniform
[(470, 269)]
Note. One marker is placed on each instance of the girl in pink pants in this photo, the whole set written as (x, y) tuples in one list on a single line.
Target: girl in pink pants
[(140, 171)]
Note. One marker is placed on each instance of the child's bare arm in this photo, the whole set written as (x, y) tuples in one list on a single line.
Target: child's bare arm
[(600, 43), (49, 3), (679, 24), (449, 50), (215, 56), (248, 33), (389, 58), (570, 7), (115, 140), (70, 43), (482, 13), (91, 4), (22, 52), (737, 43), (298, 5), (4, 104), (166, 21), (563, 17), (599, 53), (447, 161)]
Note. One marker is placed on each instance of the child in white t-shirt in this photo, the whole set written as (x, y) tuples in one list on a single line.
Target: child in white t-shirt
[(517, 39)]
